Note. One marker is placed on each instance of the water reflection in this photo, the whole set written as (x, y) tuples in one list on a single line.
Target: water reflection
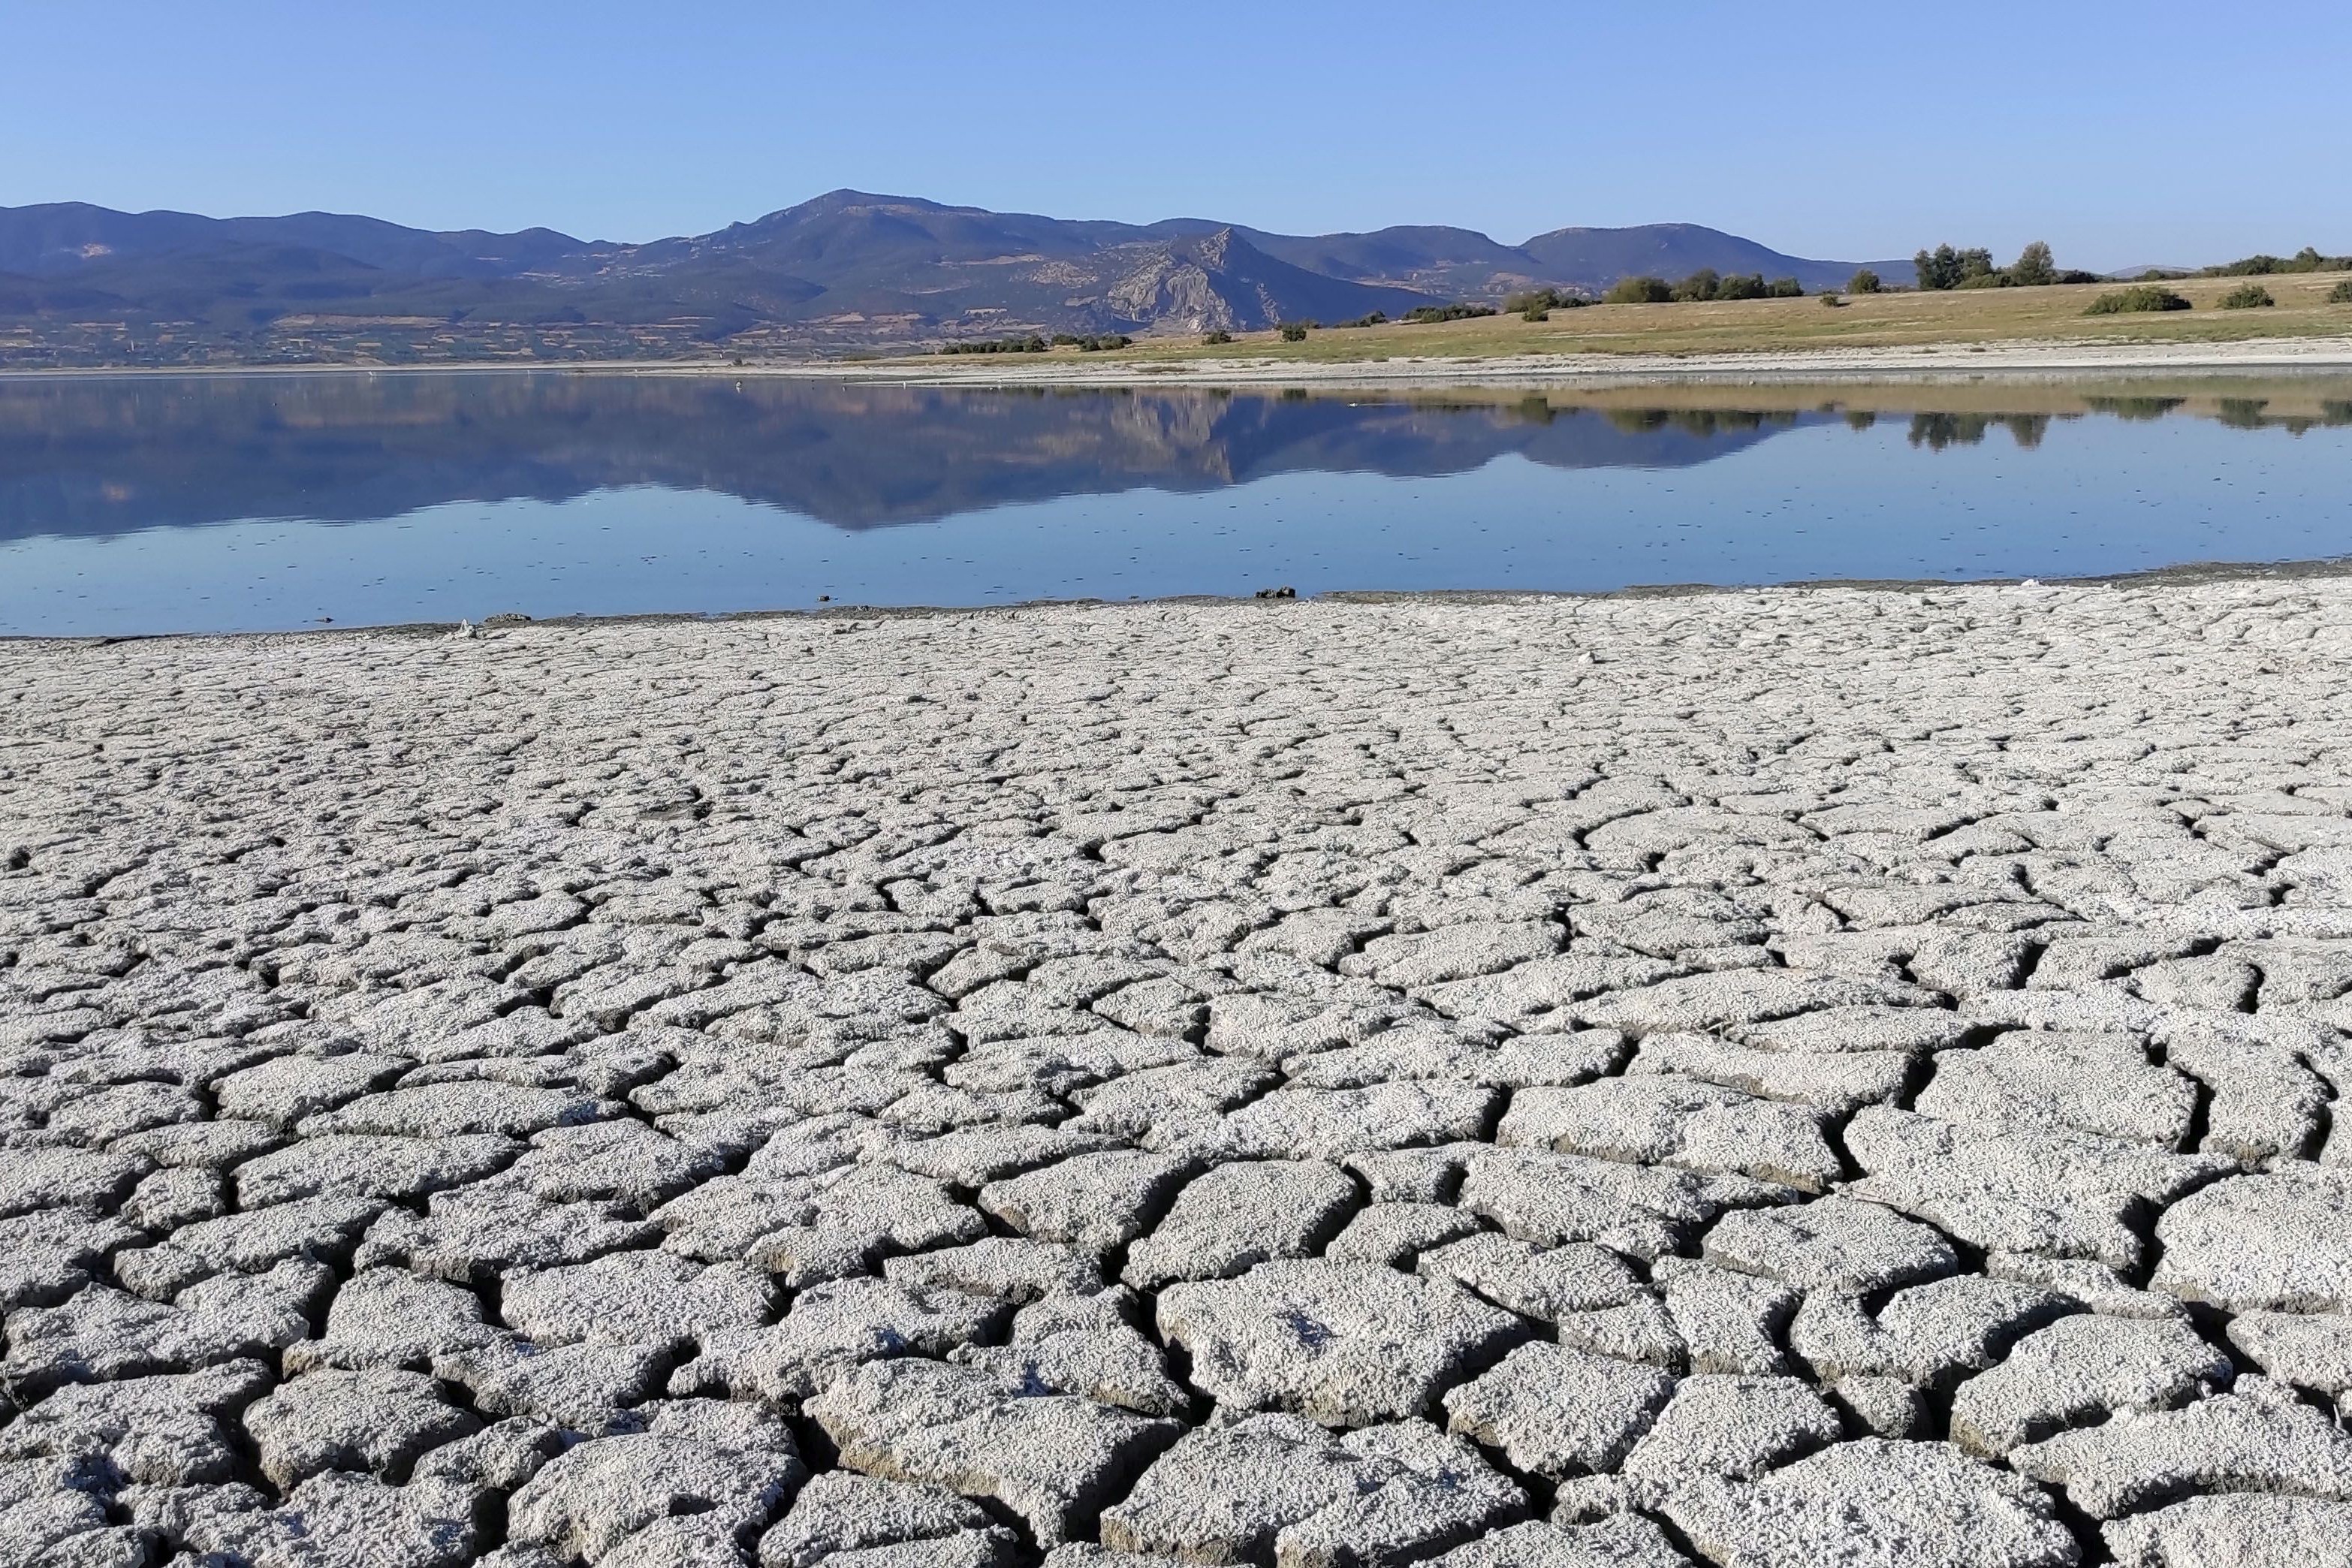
[(131, 505), (102, 456), (96, 458)]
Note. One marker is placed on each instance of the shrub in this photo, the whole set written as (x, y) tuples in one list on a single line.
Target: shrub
[(2341, 294), (1106, 341), (2247, 296), (2146, 297), (1294, 331), (1066, 340), (1535, 313), (1544, 300), (2076, 275), (1424, 315), (1784, 288), (1832, 300), (1742, 286), (1864, 281), (1219, 336), (1371, 318), (1643, 290)]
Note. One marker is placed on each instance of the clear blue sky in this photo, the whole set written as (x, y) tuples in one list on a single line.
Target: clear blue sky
[(2151, 132)]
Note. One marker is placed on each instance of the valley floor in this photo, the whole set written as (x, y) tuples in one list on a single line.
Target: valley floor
[(1888, 330), (1761, 1078)]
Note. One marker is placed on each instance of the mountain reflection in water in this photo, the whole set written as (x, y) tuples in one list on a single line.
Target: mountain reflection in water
[(102, 455), (99, 456), (141, 503)]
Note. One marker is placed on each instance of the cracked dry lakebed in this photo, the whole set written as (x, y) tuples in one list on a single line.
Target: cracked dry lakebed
[(1759, 1079)]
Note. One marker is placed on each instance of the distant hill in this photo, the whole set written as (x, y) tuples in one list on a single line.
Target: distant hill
[(83, 284), (1460, 264), (1596, 257)]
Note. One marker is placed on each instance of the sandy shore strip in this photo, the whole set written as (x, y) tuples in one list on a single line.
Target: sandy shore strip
[(1765, 1077), (1924, 364)]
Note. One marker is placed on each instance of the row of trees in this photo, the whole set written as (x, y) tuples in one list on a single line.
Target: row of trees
[(1945, 268), (1461, 311), (1544, 300), (1705, 284), (1033, 344), (2307, 259)]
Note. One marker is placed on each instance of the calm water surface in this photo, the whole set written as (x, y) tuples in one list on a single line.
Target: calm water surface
[(257, 502)]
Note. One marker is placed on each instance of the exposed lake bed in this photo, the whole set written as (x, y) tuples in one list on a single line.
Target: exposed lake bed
[(1026, 1089), (133, 505)]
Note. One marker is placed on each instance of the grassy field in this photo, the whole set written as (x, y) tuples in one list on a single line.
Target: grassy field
[(1872, 320)]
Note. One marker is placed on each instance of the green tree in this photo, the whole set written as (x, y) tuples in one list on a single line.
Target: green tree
[(1642, 290), (2034, 266), (1742, 286), (1294, 333), (1706, 283), (1864, 281), (1945, 268)]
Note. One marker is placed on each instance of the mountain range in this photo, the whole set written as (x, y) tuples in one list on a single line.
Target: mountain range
[(81, 284)]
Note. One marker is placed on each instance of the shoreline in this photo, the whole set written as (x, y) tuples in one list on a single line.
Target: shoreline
[(2185, 576), (1925, 364)]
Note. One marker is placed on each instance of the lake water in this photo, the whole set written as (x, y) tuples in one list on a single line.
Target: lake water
[(245, 502)]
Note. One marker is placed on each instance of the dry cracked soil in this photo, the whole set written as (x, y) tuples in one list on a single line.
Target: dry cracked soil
[(1761, 1080)]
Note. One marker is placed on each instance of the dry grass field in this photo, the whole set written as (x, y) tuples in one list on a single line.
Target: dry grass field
[(1876, 320)]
